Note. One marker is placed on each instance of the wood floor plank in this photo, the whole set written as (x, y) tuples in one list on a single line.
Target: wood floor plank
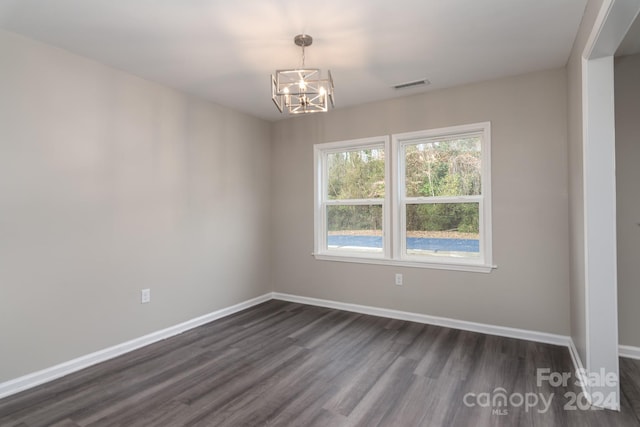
[(408, 332), (436, 356), (412, 409), (88, 397), (387, 392), (65, 423), (240, 396), (142, 396), (359, 381), (630, 383), (281, 397), (326, 324), (168, 413), (423, 341), (287, 364), (326, 418)]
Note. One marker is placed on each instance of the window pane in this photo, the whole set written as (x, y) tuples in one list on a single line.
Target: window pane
[(444, 167), (443, 229), (357, 174), (355, 228)]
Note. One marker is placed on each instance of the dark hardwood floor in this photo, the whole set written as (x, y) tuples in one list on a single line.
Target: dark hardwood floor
[(630, 385), (289, 364)]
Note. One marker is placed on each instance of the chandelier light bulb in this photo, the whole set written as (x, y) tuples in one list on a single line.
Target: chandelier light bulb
[(287, 97)]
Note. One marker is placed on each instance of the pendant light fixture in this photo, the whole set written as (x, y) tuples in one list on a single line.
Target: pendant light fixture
[(302, 90)]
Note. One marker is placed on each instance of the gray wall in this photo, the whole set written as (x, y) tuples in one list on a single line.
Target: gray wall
[(110, 184), (627, 96), (576, 185), (530, 206)]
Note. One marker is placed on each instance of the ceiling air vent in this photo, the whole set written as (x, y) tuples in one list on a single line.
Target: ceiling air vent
[(414, 83)]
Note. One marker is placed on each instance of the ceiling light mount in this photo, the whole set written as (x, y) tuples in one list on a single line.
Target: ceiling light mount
[(303, 40), (302, 90)]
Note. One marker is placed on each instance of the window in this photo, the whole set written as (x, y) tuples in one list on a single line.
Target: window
[(352, 204), (423, 199)]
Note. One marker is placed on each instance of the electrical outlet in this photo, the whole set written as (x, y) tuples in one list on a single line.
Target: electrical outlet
[(399, 279), (145, 296)]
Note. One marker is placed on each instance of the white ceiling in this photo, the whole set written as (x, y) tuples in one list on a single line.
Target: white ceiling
[(225, 50)]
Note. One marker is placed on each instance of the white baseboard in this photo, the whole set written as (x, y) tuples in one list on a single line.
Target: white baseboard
[(629, 351), (40, 377), (579, 367), (502, 331), (586, 390)]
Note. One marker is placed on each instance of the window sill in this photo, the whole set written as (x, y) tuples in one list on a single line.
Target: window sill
[(476, 268)]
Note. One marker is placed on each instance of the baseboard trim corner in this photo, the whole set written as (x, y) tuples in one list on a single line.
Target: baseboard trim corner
[(37, 378), (629, 351), (579, 367), (502, 331)]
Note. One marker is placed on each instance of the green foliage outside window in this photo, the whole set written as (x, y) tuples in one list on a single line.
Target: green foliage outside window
[(432, 169), (443, 168), (356, 174)]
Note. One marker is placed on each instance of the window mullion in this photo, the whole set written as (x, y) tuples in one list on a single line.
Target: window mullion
[(443, 199), (353, 202)]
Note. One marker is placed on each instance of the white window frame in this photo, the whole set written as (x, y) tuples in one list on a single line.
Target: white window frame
[(394, 202), (399, 142), (321, 152)]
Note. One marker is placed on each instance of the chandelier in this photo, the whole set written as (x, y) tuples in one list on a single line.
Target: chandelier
[(302, 90)]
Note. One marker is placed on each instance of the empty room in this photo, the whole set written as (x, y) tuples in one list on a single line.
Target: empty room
[(336, 213)]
